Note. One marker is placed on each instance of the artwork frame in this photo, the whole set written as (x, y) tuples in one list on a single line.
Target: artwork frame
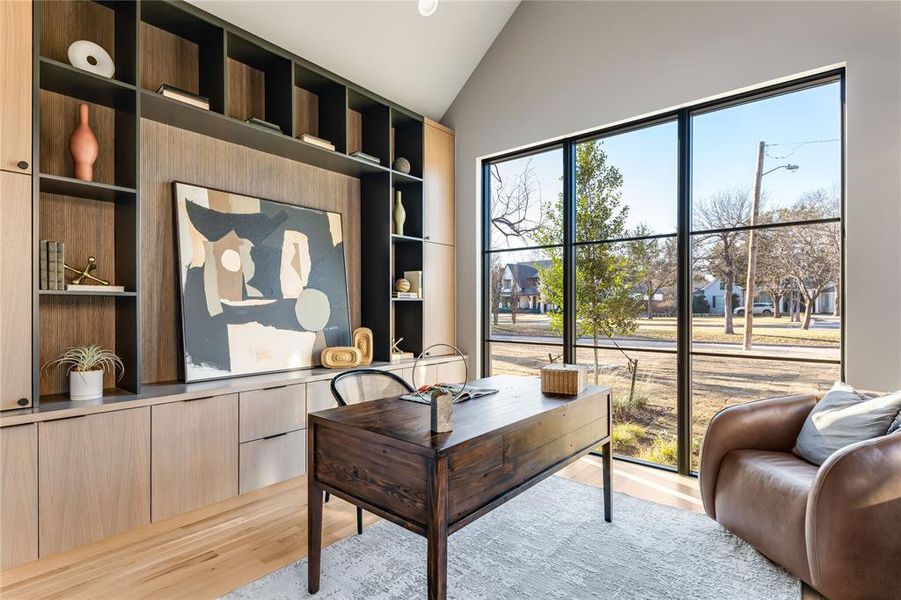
[(279, 255)]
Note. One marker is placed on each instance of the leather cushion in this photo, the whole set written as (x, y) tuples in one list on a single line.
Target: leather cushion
[(761, 496)]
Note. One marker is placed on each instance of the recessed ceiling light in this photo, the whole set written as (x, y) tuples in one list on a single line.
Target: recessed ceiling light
[(427, 8)]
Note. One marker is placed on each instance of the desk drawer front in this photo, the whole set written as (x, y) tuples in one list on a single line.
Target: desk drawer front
[(363, 466), (523, 454), (272, 411), (271, 460)]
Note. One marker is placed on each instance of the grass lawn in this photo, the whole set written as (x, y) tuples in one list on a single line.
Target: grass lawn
[(767, 330), (645, 427)]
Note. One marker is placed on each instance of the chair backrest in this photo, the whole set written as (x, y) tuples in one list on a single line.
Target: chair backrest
[(362, 385)]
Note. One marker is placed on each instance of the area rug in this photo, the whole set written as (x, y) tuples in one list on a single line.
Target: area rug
[(549, 542)]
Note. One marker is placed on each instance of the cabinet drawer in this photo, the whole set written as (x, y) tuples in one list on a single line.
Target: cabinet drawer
[(319, 396), (272, 411), (273, 459)]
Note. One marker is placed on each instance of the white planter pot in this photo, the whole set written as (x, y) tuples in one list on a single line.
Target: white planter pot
[(86, 385)]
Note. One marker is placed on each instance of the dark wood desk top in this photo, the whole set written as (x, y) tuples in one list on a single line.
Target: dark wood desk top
[(519, 398)]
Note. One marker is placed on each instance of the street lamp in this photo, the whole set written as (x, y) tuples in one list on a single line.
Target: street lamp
[(752, 242)]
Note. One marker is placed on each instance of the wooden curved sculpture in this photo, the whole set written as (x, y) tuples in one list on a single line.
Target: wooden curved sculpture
[(340, 357), (363, 343)]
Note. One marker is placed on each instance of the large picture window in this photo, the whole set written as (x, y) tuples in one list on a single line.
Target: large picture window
[(690, 261)]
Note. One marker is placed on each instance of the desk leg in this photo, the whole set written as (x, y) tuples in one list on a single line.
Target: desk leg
[(314, 520), (607, 449), (436, 530)]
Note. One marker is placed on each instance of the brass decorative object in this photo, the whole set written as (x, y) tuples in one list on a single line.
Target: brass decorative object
[(86, 273), (363, 343), (397, 354), (341, 357), (402, 285)]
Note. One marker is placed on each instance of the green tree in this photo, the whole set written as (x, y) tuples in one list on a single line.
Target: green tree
[(606, 279)]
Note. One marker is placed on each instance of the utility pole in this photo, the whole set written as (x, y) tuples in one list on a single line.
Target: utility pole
[(752, 251)]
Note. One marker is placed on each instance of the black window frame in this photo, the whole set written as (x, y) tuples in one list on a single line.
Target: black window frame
[(684, 232)]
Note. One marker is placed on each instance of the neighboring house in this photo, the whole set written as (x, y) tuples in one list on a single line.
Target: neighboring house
[(715, 295), (528, 288)]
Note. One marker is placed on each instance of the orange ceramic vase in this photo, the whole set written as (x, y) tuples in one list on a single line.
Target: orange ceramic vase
[(83, 146)]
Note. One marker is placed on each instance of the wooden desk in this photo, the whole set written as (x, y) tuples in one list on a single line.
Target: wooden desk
[(381, 455)]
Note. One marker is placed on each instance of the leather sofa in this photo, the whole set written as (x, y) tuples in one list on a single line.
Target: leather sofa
[(837, 526)]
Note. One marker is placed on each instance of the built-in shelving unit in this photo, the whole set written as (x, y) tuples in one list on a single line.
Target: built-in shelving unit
[(152, 43)]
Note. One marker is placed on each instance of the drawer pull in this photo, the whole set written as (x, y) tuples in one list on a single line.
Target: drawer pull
[(196, 399), (22, 164), (277, 387), (269, 437), (22, 401)]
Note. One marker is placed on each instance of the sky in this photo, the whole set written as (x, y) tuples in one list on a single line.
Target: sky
[(724, 156)]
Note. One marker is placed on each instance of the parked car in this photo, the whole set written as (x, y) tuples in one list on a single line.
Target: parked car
[(763, 309)]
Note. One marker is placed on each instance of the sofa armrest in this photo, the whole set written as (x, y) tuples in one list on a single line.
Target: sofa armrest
[(771, 424), (853, 519)]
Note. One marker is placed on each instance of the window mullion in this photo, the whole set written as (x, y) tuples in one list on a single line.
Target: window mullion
[(569, 253)]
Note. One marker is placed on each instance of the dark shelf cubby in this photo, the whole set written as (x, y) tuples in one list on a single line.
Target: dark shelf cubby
[(407, 136), (411, 198), (368, 127), (110, 25), (258, 84), (320, 107), (116, 130), (182, 50)]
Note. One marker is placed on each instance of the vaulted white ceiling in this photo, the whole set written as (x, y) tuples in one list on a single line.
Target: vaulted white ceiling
[(384, 46)]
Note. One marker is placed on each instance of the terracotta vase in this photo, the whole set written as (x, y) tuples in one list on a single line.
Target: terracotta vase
[(83, 146)]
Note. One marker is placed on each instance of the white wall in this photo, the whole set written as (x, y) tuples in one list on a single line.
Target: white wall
[(560, 67)]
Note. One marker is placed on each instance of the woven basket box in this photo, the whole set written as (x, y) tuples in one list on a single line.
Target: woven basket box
[(567, 380)]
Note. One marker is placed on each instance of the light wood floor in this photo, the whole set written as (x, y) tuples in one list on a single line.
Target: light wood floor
[(212, 550)]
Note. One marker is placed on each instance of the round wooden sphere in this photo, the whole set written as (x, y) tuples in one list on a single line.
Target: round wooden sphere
[(402, 285)]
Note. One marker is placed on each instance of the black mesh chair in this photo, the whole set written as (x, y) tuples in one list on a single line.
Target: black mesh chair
[(363, 385)]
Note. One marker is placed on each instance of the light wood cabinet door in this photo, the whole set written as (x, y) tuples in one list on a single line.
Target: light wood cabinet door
[(453, 371), (273, 459), (195, 454), (438, 183), (15, 289), (94, 477), (19, 496), (319, 396), (272, 411), (439, 301), (15, 86)]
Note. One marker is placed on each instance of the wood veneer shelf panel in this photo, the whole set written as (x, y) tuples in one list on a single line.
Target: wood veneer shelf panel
[(90, 294), (69, 81), (69, 186), (405, 177), (58, 406), (183, 116), (405, 239)]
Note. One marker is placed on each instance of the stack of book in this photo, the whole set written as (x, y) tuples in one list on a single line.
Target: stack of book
[(170, 91), (364, 156), (316, 141), (53, 271), (262, 123), (406, 295)]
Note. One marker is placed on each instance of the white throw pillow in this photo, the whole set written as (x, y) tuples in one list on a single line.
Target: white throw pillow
[(845, 416)]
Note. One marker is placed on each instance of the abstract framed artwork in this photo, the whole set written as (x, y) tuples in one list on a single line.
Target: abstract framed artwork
[(263, 284)]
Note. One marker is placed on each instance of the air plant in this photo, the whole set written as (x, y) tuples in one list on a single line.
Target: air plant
[(87, 358)]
